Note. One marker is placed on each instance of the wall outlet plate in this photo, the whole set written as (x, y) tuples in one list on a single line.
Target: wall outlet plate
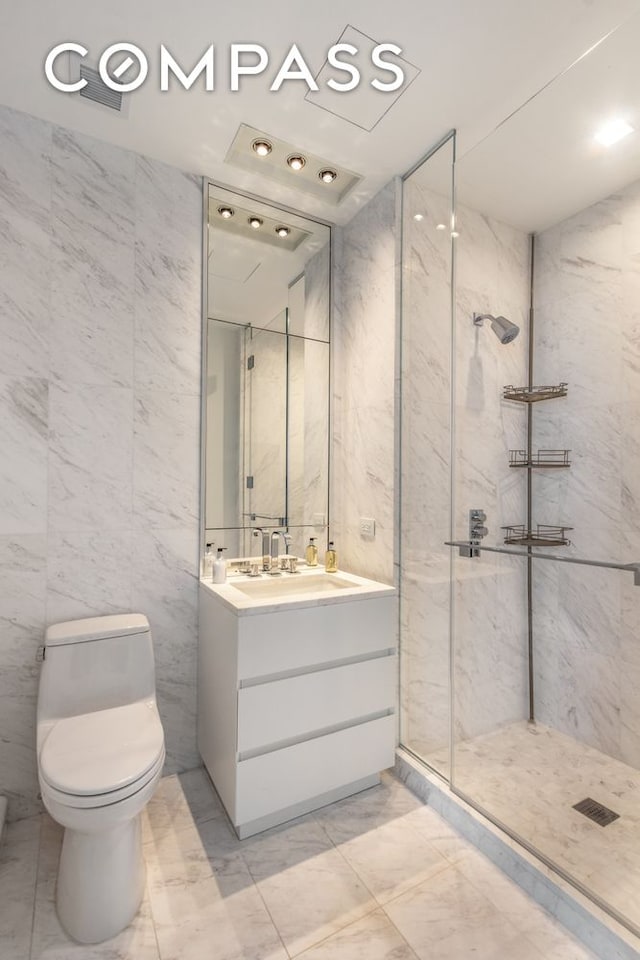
[(367, 527), (319, 520)]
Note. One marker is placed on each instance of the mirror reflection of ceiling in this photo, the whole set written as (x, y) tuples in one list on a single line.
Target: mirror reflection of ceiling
[(543, 163), (248, 280)]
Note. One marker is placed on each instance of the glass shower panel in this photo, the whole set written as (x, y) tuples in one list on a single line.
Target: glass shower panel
[(425, 456), (545, 651), (489, 615)]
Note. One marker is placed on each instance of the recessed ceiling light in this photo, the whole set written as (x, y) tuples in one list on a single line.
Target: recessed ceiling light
[(226, 212), (262, 147), (296, 161), (328, 176), (418, 216), (441, 226), (283, 231), (613, 131), (255, 223)]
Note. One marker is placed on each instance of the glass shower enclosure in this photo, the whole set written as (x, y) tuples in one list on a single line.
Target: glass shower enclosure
[(520, 457)]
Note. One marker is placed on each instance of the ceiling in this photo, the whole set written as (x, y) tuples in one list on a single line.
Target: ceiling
[(478, 63)]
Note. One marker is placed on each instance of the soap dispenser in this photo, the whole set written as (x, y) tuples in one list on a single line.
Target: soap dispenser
[(331, 559), (207, 562), (311, 553), (219, 567)]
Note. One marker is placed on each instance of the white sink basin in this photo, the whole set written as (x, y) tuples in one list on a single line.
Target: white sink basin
[(292, 585), (245, 595)]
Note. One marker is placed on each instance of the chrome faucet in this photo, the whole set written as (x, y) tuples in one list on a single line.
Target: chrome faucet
[(275, 536), (265, 545)]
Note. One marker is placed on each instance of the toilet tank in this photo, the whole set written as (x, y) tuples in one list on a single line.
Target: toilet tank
[(95, 664)]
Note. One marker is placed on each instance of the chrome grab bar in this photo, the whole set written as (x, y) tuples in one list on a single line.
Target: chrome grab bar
[(470, 548)]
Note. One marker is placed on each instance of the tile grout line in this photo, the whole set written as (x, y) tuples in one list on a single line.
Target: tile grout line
[(379, 906), (147, 892), (266, 906), (35, 887)]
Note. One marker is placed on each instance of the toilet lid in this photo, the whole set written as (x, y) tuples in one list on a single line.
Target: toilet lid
[(96, 753)]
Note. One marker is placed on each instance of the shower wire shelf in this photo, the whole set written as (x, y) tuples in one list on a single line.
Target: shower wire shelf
[(544, 535), (472, 549), (534, 394), (543, 458)]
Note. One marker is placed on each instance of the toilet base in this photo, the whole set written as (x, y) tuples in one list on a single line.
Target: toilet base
[(101, 881)]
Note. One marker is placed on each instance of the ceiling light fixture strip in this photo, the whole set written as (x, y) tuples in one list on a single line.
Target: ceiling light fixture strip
[(295, 161)]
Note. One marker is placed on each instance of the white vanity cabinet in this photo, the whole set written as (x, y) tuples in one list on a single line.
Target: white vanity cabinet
[(296, 700)]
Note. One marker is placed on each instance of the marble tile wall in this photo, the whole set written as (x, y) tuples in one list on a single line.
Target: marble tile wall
[(364, 387), (489, 678), (100, 280), (308, 440), (490, 630), (587, 332)]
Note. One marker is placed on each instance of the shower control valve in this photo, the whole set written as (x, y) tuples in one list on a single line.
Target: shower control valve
[(477, 530)]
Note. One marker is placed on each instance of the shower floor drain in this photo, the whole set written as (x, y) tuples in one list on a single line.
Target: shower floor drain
[(596, 811)]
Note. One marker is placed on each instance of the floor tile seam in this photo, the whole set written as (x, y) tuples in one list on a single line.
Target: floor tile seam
[(179, 830), (375, 905), (414, 953), (268, 911), (380, 903), (35, 887), (411, 886), (458, 836), (507, 916), (337, 847), (147, 896), (300, 953)]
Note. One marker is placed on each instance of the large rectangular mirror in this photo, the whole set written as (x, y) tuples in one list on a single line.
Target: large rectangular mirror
[(266, 423)]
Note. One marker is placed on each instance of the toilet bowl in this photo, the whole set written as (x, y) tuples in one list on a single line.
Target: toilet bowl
[(100, 756)]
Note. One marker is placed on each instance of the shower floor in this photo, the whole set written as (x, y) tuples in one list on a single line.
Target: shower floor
[(528, 778)]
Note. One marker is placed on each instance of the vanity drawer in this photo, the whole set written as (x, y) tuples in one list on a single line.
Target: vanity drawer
[(272, 643), (299, 706), (294, 774)]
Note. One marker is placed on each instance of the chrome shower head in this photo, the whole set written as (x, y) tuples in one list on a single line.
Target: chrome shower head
[(504, 329)]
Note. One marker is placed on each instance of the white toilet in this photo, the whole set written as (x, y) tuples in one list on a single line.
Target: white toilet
[(100, 756)]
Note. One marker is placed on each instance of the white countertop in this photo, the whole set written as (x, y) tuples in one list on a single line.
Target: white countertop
[(349, 587)]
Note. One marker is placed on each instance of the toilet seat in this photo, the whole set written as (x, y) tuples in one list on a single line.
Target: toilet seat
[(99, 758)]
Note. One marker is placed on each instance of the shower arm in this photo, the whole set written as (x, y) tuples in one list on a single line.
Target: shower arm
[(471, 549)]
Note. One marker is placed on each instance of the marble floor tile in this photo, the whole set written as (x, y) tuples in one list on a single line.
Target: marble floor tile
[(50, 942), (178, 860), (18, 867), (372, 938), (309, 888), (180, 800), (440, 834), (377, 876), (202, 925), (447, 917), (204, 900), (390, 859)]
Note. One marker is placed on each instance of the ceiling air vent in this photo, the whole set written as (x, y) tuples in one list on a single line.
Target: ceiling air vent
[(97, 90)]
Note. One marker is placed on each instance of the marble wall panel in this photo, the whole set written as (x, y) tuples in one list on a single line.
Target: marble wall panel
[(25, 245), (100, 284), (363, 386), (587, 282)]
